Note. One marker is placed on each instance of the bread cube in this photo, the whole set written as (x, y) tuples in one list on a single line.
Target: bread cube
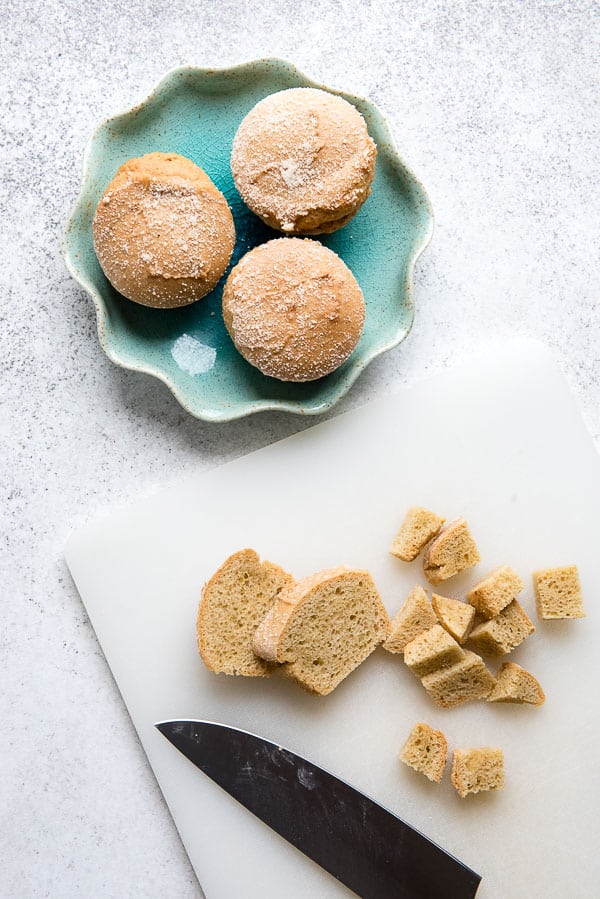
[(558, 593), (452, 551), (426, 751), (503, 633), (496, 591), (417, 529), (476, 770)]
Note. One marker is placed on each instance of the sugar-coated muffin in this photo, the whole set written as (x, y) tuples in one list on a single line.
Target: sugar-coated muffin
[(163, 233), (293, 309), (303, 161)]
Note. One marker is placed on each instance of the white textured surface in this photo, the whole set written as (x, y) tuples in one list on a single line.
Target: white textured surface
[(493, 107), (139, 571)]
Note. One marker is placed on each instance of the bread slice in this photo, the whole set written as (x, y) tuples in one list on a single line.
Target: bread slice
[(495, 591), (322, 627), (504, 632), (233, 603), (461, 682), (475, 770), (558, 593), (456, 616), (452, 551), (414, 617), (431, 650), (417, 529), (515, 684), (426, 750)]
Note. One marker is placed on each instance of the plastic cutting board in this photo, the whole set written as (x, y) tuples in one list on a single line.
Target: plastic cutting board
[(498, 440)]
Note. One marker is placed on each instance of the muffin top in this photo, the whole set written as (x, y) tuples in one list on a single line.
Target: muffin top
[(163, 232), (303, 160), (293, 309)]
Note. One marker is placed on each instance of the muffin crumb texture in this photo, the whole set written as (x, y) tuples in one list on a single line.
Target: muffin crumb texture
[(426, 751), (558, 593), (476, 770)]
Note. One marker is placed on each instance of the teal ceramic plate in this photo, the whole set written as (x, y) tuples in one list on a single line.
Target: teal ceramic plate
[(196, 112)]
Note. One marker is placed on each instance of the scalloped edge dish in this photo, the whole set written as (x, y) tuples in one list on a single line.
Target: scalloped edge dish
[(325, 393)]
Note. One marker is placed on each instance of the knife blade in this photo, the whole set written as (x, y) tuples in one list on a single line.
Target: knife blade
[(358, 841)]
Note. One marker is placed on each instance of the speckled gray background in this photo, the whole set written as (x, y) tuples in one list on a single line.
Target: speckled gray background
[(492, 104)]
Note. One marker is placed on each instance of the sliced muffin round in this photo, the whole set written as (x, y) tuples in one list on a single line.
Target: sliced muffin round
[(234, 602), (321, 628)]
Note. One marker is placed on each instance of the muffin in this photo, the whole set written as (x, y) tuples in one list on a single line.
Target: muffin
[(163, 233), (303, 161), (293, 309)]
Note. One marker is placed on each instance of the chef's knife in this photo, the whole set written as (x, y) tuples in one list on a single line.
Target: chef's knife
[(370, 850)]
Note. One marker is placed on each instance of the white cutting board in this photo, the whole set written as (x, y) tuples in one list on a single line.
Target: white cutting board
[(498, 440)]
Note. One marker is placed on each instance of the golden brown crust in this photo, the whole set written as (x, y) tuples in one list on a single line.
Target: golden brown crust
[(293, 309), (163, 233), (303, 161), (516, 684)]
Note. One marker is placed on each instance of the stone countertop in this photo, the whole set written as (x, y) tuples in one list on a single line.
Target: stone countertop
[(492, 105)]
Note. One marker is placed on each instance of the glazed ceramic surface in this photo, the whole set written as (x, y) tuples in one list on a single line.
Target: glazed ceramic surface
[(196, 112)]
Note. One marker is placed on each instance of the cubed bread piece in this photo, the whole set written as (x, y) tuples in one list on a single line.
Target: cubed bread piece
[(452, 551), (234, 602), (461, 682), (323, 627), (426, 750), (495, 591), (503, 633), (475, 770), (558, 593), (414, 617), (456, 616), (417, 529), (431, 650), (515, 684)]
